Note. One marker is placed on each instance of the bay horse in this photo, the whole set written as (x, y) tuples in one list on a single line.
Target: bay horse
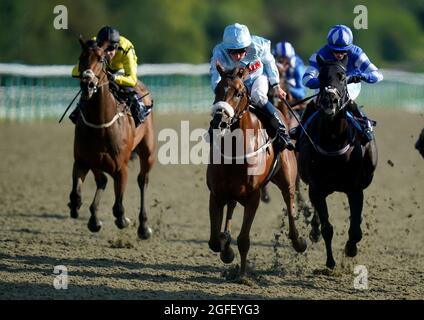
[(232, 183), (334, 159), (105, 135)]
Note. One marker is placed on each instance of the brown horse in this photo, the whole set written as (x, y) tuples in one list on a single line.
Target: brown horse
[(241, 182), (105, 135)]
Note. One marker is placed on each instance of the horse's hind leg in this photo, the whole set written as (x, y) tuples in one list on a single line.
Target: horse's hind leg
[(299, 244), (356, 200), (318, 201), (227, 253), (78, 176), (94, 224), (146, 155), (285, 179), (120, 181)]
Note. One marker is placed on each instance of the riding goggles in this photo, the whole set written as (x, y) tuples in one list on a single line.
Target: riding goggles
[(237, 51)]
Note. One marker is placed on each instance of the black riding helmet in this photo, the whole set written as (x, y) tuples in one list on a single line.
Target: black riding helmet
[(108, 34)]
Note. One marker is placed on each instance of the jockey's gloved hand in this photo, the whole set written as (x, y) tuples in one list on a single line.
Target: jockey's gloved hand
[(111, 76), (356, 78)]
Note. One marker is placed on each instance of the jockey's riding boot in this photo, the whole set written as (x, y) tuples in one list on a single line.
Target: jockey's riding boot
[(295, 131), (74, 116), (138, 110), (365, 123), (276, 128)]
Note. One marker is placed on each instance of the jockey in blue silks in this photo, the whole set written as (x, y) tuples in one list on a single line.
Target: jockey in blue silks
[(359, 68), (240, 49), (285, 55)]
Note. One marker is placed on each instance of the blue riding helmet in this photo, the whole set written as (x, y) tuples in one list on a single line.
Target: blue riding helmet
[(340, 38), (283, 49), (236, 36)]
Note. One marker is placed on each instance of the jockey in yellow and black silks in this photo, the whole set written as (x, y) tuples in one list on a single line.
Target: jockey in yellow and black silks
[(120, 55)]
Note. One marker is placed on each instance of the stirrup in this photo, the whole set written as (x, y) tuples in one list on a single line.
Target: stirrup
[(294, 132)]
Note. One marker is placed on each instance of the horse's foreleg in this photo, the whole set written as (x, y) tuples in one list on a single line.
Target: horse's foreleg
[(147, 160), (120, 181), (78, 176), (243, 240), (315, 233), (94, 224), (216, 211), (356, 200), (265, 195), (227, 253), (320, 204)]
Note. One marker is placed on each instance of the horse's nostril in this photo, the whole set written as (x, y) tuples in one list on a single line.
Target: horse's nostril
[(91, 85)]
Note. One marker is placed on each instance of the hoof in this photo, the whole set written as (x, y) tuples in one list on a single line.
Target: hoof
[(74, 210), (144, 233), (331, 264), (351, 250), (265, 197), (94, 226), (214, 246), (315, 236), (122, 223), (227, 256), (74, 213), (299, 245)]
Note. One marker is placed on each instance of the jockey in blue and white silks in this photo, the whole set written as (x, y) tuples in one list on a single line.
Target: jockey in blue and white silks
[(238, 50), (285, 54), (359, 68)]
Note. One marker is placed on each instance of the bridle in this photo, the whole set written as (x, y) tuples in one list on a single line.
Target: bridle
[(90, 75), (94, 86), (342, 98), (233, 114)]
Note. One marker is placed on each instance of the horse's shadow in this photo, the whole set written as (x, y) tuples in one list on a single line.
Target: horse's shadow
[(43, 265)]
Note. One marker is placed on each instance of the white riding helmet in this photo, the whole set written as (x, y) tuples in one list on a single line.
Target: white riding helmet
[(236, 36)]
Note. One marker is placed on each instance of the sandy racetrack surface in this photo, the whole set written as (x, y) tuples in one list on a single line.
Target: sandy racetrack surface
[(37, 234)]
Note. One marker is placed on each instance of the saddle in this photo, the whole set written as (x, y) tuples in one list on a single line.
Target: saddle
[(124, 94)]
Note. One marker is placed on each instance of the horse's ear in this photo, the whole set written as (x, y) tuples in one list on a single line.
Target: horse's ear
[(82, 42), (245, 72), (219, 68), (320, 61)]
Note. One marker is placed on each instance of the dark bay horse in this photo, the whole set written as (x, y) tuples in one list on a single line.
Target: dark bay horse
[(105, 135), (335, 160), (419, 145), (231, 182)]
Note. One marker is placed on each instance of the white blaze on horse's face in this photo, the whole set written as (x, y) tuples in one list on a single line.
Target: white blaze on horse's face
[(88, 77), (332, 98), (227, 115)]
